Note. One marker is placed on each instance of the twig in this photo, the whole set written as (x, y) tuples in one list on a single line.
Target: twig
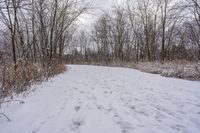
[(2, 114)]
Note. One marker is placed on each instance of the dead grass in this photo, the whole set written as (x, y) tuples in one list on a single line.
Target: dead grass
[(178, 68), (18, 79)]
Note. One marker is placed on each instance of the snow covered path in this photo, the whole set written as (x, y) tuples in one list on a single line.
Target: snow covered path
[(91, 99)]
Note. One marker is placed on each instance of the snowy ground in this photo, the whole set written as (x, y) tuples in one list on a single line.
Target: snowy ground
[(90, 99)]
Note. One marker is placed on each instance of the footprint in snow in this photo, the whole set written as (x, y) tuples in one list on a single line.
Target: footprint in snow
[(159, 117), (143, 113), (76, 124), (75, 88), (136, 99), (77, 108), (178, 128), (132, 107), (82, 92), (126, 127), (105, 92)]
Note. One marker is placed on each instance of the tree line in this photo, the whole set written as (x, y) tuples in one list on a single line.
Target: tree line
[(142, 30), (38, 30), (33, 38)]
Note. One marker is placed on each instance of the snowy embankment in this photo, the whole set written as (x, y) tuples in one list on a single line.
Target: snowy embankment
[(178, 69), (91, 99)]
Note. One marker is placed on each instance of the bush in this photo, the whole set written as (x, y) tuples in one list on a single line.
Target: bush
[(17, 78)]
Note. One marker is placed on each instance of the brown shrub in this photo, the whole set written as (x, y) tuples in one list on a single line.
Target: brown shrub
[(15, 79)]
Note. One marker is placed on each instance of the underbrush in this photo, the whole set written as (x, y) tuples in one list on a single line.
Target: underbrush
[(178, 68), (18, 78)]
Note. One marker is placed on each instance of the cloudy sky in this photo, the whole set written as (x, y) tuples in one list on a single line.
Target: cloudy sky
[(105, 4), (100, 5)]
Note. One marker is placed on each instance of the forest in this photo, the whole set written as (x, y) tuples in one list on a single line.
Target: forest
[(142, 30)]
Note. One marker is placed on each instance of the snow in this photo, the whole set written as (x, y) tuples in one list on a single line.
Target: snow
[(179, 69), (93, 99)]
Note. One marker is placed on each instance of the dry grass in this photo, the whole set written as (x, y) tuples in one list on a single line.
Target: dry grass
[(19, 78), (178, 68)]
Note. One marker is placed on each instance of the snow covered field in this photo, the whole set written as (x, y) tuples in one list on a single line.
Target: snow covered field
[(91, 99)]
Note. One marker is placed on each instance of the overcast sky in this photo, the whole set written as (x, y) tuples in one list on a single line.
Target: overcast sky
[(87, 20), (104, 4)]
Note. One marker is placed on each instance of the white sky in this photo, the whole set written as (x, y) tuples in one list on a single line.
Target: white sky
[(88, 19)]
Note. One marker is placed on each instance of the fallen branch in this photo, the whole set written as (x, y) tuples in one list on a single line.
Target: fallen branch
[(2, 114)]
